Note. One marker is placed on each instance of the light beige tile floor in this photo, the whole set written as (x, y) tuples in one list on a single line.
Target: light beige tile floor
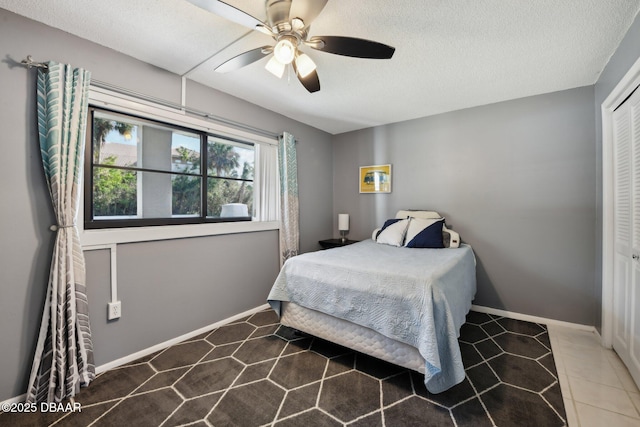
[(596, 387)]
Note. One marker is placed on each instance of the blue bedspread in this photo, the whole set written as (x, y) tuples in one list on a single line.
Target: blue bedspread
[(416, 296)]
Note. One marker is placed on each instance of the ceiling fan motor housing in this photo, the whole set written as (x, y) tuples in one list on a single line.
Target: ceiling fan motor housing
[(278, 12)]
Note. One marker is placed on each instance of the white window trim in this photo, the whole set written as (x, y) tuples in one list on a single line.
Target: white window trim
[(101, 97), (107, 236)]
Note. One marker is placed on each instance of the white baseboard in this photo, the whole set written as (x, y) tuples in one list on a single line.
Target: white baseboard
[(147, 351), (534, 319)]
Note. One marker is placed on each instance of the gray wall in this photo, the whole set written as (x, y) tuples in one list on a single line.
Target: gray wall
[(625, 56), (516, 179), (167, 288), (171, 288)]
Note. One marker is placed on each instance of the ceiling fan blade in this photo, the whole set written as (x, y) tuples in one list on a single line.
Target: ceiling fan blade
[(228, 12), (307, 10), (278, 11), (311, 82), (243, 59), (351, 46)]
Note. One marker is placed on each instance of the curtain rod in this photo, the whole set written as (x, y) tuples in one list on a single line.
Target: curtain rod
[(30, 63)]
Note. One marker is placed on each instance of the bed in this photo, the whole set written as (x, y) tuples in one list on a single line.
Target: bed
[(384, 298)]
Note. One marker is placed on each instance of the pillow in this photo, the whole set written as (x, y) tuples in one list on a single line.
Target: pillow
[(406, 213), (393, 232), (424, 233), (451, 239), (386, 224)]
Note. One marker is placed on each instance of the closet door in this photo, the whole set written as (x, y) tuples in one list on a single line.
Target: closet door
[(622, 228), (634, 311), (626, 340)]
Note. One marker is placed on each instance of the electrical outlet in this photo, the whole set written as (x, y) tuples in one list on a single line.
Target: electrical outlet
[(114, 310)]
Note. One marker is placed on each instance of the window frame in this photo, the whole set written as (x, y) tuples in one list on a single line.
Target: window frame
[(157, 228), (91, 223)]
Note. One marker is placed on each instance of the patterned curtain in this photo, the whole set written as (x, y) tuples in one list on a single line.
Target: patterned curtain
[(64, 354), (289, 211)]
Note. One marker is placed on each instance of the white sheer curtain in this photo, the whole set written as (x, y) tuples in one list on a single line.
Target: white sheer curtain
[(289, 208), (268, 192)]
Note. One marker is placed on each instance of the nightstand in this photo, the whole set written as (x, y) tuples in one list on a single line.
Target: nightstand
[(335, 243)]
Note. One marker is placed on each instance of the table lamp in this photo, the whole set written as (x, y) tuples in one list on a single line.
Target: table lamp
[(343, 226)]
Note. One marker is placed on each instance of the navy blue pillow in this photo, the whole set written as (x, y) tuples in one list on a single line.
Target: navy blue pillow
[(429, 237), (386, 224)]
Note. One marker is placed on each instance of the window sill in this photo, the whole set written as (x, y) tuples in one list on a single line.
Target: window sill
[(89, 238)]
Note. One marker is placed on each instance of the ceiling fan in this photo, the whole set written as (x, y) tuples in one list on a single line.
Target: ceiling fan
[(288, 22)]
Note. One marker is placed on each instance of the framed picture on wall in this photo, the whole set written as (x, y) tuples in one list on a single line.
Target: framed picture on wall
[(375, 179)]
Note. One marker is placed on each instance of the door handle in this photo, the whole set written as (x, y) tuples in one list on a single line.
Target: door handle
[(635, 256)]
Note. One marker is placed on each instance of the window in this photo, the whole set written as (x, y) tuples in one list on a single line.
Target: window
[(230, 167), (142, 172)]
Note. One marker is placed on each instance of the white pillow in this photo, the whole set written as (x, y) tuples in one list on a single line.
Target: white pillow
[(394, 234), (418, 214), (451, 238)]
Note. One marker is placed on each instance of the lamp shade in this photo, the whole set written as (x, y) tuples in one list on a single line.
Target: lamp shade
[(285, 50), (343, 222), (304, 65), (275, 67)]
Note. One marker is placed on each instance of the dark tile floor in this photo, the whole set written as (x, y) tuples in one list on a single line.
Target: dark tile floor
[(255, 372)]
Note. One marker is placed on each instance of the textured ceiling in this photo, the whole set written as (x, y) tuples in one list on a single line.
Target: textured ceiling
[(449, 54)]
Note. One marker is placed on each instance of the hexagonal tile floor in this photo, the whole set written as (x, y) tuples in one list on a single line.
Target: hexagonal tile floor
[(256, 372)]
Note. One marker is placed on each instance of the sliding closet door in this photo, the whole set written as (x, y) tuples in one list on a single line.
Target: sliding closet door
[(626, 339)]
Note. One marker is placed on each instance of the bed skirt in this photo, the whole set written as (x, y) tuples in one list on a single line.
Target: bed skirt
[(352, 336)]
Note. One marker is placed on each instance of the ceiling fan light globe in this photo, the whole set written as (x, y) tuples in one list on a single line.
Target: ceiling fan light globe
[(297, 24), (304, 65), (284, 51), (275, 67)]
